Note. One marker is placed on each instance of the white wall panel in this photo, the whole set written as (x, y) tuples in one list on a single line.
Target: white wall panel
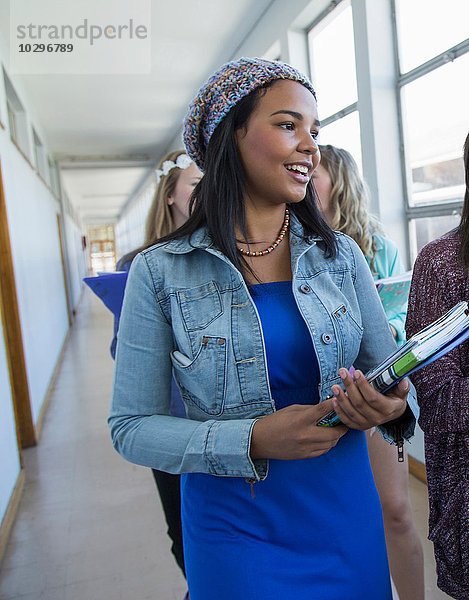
[(32, 216), (9, 455), (76, 258)]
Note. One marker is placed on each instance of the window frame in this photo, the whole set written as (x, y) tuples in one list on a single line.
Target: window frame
[(325, 17), (443, 207)]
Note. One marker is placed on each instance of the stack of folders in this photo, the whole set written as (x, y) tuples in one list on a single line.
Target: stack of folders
[(423, 348)]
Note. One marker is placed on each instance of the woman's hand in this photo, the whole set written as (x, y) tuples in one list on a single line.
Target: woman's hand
[(291, 433), (362, 407)]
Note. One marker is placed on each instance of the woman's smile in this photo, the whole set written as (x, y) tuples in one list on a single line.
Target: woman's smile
[(301, 172)]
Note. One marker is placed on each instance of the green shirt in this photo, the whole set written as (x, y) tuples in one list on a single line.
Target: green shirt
[(386, 264)]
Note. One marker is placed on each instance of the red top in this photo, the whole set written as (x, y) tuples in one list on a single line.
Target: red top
[(438, 283)]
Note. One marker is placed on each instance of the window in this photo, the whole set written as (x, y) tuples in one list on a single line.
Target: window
[(16, 118), (428, 28), (42, 165), (102, 248), (334, 75), (12, 121), (426, 229), (434, 62), (345, 133), (436, 122), (54, 178)]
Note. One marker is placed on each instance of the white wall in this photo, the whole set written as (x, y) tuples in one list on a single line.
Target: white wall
[(130, 230), (32, 213), (10, 461), (76, 259)]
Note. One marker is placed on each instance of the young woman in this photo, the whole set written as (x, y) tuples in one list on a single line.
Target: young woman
[(177, 175), (440, 280), (259, 309), (343, 197)]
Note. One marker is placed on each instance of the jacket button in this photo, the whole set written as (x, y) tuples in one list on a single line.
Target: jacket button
[(305, 288), (326, 338)]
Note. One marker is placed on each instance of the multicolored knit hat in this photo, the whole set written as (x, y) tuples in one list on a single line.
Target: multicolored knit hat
[(225, 88)]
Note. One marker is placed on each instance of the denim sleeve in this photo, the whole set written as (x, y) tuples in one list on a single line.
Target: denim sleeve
[(122, 265), (377, 342), (142, 429)]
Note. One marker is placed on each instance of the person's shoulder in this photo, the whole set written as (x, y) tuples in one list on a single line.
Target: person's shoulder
[(154, 256), (149, 250), (441, 249), (439, 261), (349, 254), (177, 245), (382, 242), (346, 244), (123, 264)]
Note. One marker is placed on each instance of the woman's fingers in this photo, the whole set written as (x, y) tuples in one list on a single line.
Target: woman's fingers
[(292, 433), (361, 406), (357, 403), (347, 412), (401, 390)]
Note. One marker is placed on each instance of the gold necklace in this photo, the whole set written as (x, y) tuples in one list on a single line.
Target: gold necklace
[(272, 247)]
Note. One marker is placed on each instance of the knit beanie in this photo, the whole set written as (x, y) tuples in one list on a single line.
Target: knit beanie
[(225, 88)]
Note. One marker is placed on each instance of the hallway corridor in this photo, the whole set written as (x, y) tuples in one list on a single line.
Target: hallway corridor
[(90, 525)]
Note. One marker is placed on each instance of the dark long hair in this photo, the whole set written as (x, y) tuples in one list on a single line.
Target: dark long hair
[(464, 225), (218, 199)]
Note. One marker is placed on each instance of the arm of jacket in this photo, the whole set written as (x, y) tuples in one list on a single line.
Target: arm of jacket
[(378, 342), (388, 263), (443, 387), (122, 265), (142, 430)]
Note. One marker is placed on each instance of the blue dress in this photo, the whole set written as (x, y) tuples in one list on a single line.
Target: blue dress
[(314, 529)]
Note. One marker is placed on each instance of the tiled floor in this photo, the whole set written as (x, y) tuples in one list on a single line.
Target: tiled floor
[(90, 526)]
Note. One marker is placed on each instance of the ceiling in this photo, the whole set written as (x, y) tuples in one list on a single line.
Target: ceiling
[(108, 131)]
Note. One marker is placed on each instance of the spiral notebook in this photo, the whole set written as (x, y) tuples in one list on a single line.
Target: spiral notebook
[(394, 291)]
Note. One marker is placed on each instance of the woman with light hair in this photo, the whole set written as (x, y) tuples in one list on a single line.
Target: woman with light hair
[(344, 200), (176, 177)]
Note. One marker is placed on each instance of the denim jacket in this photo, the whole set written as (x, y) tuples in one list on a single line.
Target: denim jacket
[(187, 311)]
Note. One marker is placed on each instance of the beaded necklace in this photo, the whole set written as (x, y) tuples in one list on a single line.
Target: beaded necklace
[(272, 247)]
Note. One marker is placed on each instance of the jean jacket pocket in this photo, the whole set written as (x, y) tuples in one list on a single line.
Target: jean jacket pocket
[(202, 381), (199, 306), (350, 335)]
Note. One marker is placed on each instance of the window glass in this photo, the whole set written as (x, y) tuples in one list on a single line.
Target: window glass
[(436, 122), (427, 28), (425, 230), (344, 133), (332, 56), (12, 122)]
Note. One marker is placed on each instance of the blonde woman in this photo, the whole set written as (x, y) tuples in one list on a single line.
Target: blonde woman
[(343, 196), (177, 175)]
